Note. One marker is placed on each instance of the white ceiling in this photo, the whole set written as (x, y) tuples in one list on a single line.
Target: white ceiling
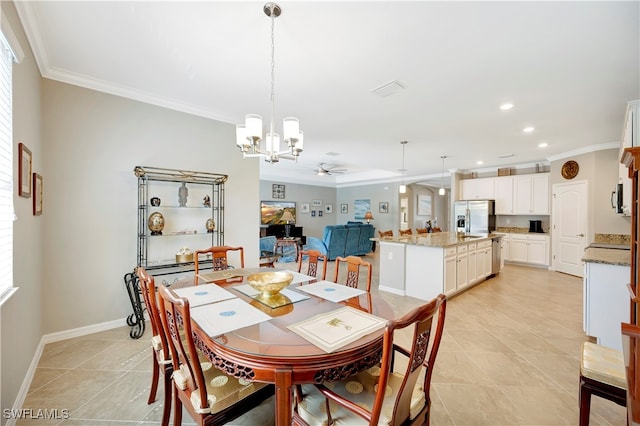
[(569, 68)]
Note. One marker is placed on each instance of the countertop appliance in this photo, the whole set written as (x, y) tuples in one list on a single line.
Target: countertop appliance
[(475, 216), (535, 226)]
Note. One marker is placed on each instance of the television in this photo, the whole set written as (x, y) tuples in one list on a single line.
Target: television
[(277, 212)]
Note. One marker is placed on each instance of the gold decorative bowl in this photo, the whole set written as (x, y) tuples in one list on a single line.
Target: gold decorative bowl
[(269, 284)]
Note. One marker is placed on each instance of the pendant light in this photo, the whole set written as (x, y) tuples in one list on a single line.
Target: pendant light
[(442, 191), (403, 187), (249, 134)]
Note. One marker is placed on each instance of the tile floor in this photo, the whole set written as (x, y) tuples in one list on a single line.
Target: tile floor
[(509, 356)]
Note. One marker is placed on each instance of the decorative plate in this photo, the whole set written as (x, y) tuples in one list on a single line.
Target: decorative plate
[(570, 169)]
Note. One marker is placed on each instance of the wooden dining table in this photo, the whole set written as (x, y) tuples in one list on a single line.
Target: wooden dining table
[(270, 352)]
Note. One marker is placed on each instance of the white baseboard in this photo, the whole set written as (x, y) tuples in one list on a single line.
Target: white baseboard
[(56, 337), (391, 290)]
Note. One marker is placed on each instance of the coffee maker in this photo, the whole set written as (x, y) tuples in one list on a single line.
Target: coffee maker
[(535, 226)]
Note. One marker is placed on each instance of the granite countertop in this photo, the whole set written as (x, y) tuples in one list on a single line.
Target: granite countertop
[(437, 239), (607, 256)]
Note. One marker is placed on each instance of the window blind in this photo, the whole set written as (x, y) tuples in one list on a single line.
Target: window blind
[(6, 171)]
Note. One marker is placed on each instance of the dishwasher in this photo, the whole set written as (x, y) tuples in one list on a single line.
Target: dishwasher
[(496, 253)]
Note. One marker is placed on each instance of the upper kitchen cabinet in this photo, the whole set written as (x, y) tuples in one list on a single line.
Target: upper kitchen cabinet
[(531, 194), (630, 138), (477, 189), (504, 194)]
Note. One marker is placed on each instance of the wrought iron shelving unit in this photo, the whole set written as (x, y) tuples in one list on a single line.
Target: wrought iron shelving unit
[(199, 196)]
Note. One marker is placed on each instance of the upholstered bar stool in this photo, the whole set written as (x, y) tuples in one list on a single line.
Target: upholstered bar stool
[(601, 374)]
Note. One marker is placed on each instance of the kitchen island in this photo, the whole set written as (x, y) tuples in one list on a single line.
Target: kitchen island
[(426, 265), (605, 296)]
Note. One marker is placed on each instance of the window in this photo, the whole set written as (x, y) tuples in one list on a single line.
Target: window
[(6, 164)]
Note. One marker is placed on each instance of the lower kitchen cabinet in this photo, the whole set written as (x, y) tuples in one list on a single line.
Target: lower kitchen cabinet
[(528, 248)]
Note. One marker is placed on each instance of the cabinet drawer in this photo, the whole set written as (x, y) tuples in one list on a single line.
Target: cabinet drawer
[(471, 246), (449, 251), (483, 244), (462, 248)]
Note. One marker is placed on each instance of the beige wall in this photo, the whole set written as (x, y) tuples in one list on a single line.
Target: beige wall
[(21, 316)]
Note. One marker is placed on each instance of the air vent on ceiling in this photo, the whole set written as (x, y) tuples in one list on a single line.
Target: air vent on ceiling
[(505, 155), (389, 89)]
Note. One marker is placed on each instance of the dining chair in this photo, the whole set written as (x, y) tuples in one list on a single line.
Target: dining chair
[(405, 231), (383, 234), (313, 256), (209, 395), (436, 229), (218, 256), (422, 231), (631, 355), (160, 348), (381, 395), (353, 264)]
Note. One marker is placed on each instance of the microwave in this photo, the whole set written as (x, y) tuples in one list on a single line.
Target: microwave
[(616, 199)]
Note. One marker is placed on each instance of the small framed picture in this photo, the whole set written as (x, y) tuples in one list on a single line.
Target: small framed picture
[(313, 213), (383, 207), (24, 171), (37, 194), (304, 208), (328, 208), (344, 208), (316, 203), (277, 191), (319, 213)]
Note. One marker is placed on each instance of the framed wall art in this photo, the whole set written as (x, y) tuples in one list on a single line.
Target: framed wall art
[(37, 194), (316, 203), (313, 213), (319, 213), (277, 191), (383, 207), (361, 207), (424, 205), (328, 208), (344, 208), (304, 208), (24, 171)]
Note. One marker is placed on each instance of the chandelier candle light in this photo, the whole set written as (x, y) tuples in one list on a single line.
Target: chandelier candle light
[(249, 134)]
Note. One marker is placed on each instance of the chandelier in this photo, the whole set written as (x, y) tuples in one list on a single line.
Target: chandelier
[(403, 187), (442, 191), (249, 134)]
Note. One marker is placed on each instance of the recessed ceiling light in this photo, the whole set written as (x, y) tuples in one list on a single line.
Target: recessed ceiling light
[(506, 106), (528, 129), (480, 162), (543, 145)]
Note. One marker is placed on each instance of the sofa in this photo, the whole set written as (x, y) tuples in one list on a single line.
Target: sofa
[(343, 240)]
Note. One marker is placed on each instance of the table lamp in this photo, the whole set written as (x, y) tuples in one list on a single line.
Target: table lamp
[(287, 217), (368, 217)]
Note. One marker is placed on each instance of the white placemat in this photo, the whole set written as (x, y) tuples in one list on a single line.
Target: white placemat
[(300, 278), (333, 330), (294, 296), (331, 291), (204, 293), (222, 317)]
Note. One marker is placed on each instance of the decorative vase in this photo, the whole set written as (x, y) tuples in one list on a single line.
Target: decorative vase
[(183, 193), (156, 223), (210, 225), (155, 201)]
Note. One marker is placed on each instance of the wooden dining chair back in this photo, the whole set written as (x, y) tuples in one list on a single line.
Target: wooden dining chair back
[(436, 229), (159, 345), (422, 231), (388, 233), (313, 259), (219, 257), (353, 265), (405, 231), (631, 355), (384, 394), (208, 394)]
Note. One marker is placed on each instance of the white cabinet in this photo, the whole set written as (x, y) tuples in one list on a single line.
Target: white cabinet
[(472, 263), (505, 249), (531, 194), (606, 302), (483, 260), (477, 189), (630, 137), (504, 194), (528, 248), (462, 274), (450, 266)]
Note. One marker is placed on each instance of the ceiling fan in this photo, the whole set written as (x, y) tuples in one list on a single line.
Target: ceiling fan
[(322, 170)]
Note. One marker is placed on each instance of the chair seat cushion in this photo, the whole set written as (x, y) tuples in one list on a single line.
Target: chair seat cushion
[(603, 364), (222, 390), (360, 389)]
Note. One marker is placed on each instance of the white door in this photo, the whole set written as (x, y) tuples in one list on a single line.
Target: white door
[(569, 210)]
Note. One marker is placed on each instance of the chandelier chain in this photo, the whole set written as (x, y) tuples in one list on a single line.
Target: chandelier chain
[(273, 68)]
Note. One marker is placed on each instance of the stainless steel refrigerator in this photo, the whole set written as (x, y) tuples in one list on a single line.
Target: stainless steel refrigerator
[(475, 216)]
